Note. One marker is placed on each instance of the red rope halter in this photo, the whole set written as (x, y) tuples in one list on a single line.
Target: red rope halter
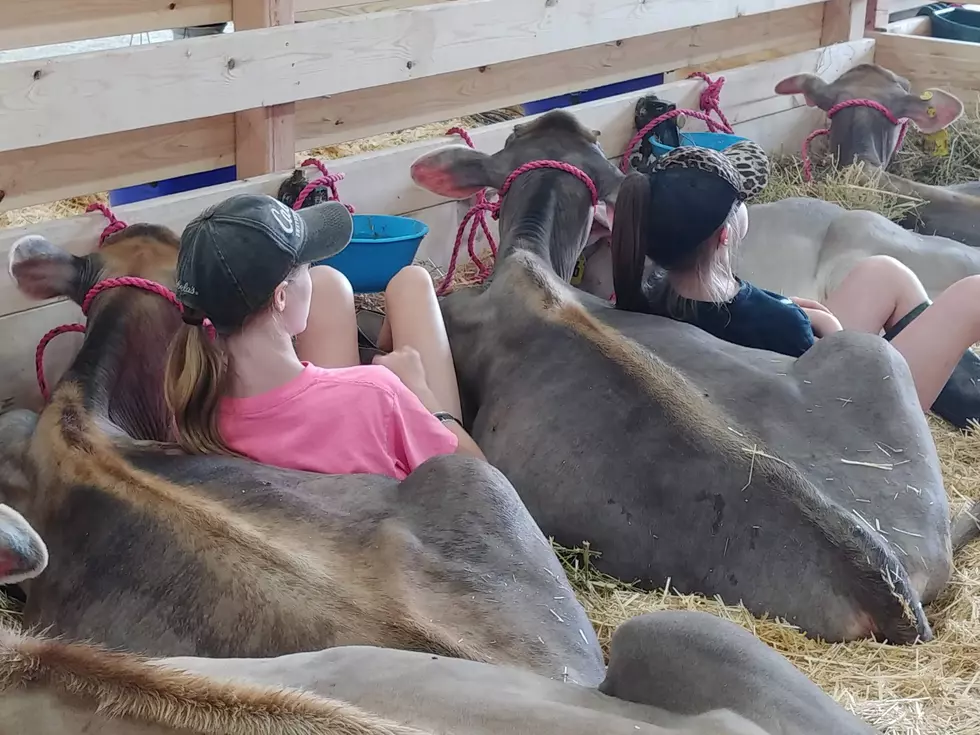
[(326, 179), (808, 166), (114, 226), (709, 103), (476, 217)]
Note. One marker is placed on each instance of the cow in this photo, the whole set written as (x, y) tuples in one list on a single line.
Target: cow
[(862, 134), (167, 554), (808, 489), (670, 673)]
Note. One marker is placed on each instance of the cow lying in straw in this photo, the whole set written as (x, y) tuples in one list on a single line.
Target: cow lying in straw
[(168, 554), (806, 488), (669, 674), (869, 134)]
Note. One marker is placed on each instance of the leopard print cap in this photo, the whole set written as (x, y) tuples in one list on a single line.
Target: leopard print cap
[(744, 165)]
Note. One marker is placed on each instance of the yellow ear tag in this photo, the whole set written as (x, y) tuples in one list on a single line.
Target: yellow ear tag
[(926, 96), (937, 144), (931, 111), (579, 271)]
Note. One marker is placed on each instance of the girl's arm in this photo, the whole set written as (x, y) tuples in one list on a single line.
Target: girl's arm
[(407, 365)]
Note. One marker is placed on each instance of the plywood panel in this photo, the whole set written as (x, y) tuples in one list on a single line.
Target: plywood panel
[(932, 62), (85, 95)]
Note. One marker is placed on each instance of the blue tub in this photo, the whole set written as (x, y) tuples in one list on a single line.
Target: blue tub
[(715, 141), (178, 184), (953, 23), (595, 93), (381, 246)]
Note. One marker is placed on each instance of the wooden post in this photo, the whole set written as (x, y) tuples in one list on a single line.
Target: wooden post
[(843, 20), (265, 139)]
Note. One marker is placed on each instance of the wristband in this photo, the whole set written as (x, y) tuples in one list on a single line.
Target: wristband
[(445, 416)]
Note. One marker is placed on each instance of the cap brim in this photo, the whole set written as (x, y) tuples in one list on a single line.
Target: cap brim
[(329, 227)]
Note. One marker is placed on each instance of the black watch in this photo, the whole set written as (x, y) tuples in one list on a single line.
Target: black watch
[(445, 416)]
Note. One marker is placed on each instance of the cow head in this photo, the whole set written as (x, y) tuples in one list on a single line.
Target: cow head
[(547, 211), (863, 133), (23, 554), (120, 365)]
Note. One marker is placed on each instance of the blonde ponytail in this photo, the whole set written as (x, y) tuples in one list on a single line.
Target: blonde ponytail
[(196, 377)]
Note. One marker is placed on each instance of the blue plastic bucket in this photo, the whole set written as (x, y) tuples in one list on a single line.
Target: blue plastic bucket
[(954, 23), (715, 141), (188, 182), (595, 93), (381, 246)]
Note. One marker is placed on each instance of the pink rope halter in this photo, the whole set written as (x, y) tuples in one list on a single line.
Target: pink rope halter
[(476, 217), (114, 226), (326, 179), (709, 103), (808, 166)]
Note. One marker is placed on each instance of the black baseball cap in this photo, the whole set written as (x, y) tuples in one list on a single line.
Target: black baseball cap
[(234, 254)]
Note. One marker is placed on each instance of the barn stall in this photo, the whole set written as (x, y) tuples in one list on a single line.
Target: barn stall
[(338, 78)]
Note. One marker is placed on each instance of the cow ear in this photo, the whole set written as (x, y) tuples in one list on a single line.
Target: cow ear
[(23, 554), (931, 111), (457, 172), (42, 270), (815, 90)]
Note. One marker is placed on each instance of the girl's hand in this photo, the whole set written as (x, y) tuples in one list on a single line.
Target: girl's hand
[(809, 304), (822, 321), (407, 365)]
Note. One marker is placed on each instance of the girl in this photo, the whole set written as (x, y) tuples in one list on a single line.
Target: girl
[(688, 214), (244, 267)]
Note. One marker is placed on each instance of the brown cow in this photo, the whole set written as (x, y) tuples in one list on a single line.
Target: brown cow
[(864, 134), (721, 469), (168, 554)]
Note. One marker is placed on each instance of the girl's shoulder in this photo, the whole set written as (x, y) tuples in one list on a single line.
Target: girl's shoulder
[(371, 376)]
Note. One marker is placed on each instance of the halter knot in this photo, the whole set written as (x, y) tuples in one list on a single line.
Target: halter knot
[(114, 226), (326, 179)]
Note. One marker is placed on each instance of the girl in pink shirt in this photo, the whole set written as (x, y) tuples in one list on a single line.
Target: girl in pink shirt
[(244, 268)]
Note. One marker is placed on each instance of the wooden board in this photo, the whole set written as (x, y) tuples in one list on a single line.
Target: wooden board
[(28, 23), (47, 173), (380, 182), (85, 95), (932, 62)]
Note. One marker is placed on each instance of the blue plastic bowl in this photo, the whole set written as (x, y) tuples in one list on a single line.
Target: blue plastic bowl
[(381, 246), (715, 141), (188, 182), (953, 23)]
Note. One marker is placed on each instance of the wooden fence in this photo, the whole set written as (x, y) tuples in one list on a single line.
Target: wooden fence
[(296, 74)]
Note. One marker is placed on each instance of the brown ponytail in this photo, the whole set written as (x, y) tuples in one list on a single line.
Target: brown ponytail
[(196, 376), (628, 253)]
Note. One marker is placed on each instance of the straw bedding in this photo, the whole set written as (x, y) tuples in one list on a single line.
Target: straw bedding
[(910, 690)]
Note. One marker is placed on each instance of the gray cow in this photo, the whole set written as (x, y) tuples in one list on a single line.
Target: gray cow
[(808, 489)]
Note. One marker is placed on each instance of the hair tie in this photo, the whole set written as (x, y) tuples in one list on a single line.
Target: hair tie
[(193, 317)]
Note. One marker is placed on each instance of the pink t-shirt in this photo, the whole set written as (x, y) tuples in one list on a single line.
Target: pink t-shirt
[(345, 421)]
